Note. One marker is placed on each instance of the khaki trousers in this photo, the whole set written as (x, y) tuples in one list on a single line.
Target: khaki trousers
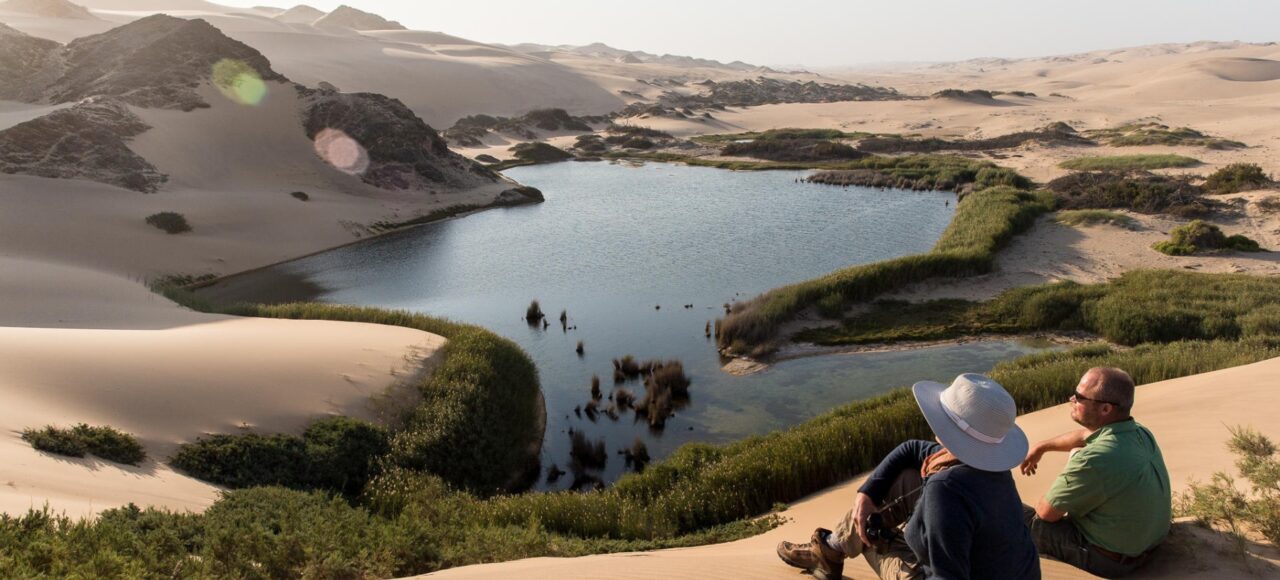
[(897, 561)]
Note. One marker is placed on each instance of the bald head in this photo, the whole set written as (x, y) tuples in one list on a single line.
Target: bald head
[(1113, 385)]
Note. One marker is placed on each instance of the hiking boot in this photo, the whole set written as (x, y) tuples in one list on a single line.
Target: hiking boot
[(816, 556)]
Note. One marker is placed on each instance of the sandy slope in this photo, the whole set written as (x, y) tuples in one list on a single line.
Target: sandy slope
[(232, 169), (1189, 417), (86, 346)]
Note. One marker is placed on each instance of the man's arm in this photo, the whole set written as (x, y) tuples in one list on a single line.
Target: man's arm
[(1064, 442), (1045, 511)]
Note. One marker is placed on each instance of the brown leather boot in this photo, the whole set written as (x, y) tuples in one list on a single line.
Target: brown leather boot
[(816, 556)]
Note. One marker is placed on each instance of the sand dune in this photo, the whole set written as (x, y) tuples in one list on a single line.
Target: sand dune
[(82, 345), (1189, 417), (1248, 70)]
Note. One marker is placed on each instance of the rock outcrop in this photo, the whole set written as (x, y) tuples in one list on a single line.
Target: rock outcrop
[(347, 18), (85, 141), (27, 64), (156, 62), (400, 150)]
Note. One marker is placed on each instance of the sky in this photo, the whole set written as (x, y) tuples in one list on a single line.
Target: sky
[(835, 33)]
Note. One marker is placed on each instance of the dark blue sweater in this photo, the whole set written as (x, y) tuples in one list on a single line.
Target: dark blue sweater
[(968, 522)]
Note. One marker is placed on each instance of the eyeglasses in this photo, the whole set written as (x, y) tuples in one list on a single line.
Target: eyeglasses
[(1076, 396)]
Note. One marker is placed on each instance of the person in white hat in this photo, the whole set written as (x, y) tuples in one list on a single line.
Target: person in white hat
[(963, 517)]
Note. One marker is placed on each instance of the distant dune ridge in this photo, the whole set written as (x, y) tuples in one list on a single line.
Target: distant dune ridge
[(300, 14), (48, 9), (347, 17)]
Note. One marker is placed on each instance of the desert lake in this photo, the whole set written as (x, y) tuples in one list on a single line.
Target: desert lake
[(642, 258)]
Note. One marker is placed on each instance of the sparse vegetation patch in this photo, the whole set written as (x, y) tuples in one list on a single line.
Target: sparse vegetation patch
[(1128, 162), (1088, 217), (1136, 134)]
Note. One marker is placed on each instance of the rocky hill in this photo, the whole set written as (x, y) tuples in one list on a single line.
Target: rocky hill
[(160, 62), (348, 18), (156, 62), (48, 9), (27, 64), (86, 141), (402, 151)]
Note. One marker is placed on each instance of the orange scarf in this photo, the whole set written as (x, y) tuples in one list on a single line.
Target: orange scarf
[(938, 462)]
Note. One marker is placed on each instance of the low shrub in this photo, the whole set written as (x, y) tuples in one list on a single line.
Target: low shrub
[(1221, 504), (300, 196), (1236, 177), (1128, 162), (1139, 191), (101, 441), (1199, 236), (170, 222)]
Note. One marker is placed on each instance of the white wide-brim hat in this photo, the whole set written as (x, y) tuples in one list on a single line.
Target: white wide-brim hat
[(974, 419)]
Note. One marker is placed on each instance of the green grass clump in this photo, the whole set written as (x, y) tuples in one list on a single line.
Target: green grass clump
[(1085, 217), (1221, 504), (539, 152), (1237, 177), (170, 222), (1128, 162), (984, 222), (337, 453), (101, 441), (1199, 236)]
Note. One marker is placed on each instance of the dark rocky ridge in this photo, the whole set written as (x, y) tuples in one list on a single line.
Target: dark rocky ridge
[(156, 62), (27, 64), (160, 62), (85, 141), (469, 131), (404, 152)]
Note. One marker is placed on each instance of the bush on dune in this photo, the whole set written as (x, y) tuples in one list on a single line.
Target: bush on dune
[(104, 442), (1237, 177)]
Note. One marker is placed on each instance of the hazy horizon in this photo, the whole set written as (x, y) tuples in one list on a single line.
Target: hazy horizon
[(845, 34)]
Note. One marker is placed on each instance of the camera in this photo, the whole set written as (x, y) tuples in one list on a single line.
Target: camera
[(877, 533)]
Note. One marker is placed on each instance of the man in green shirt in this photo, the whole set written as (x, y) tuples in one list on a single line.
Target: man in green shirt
[(1111, 505)]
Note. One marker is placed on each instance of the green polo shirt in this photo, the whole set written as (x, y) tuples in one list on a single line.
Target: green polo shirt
[(1116, 489)]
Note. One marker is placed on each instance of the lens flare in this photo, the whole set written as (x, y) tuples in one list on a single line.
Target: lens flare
[(239, 82), (341, 151)]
